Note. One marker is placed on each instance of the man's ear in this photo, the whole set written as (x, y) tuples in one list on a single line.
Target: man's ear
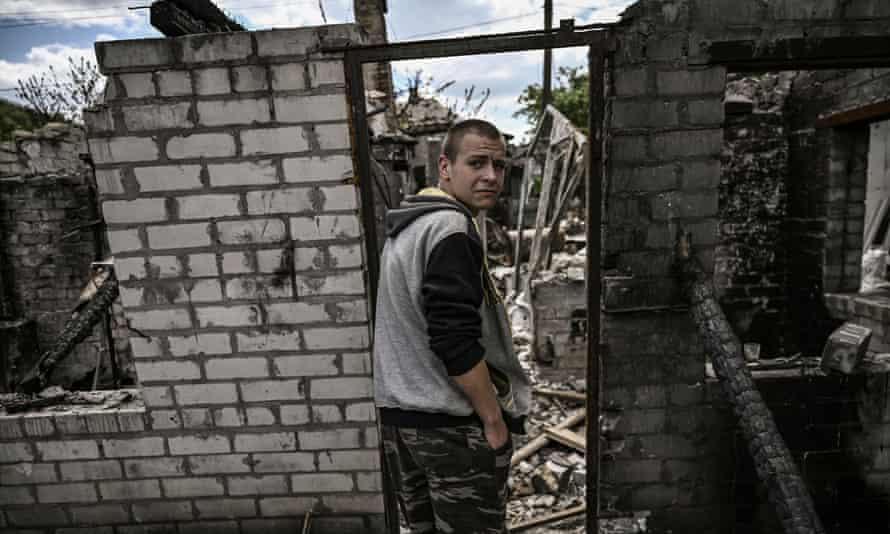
[(444, 168)]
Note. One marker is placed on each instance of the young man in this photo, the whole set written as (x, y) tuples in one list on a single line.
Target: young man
[(447, 383)]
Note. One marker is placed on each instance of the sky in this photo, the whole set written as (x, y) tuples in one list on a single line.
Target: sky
[(32, 40)]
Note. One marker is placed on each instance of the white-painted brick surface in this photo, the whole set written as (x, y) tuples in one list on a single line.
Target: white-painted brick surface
[(372, 438), (145, 348), (289, 76), (206, 145), (238, 315), (259, 341), (28, 473), (306, 365), (157, 396), (201, 265), (349, 283), (81, 492), (137, 84), (271, 260), (243, 173), (369, 481), (167, 371), (354, 504), (162, 511), (343, 438), (154, 467), (178, 236), (130, 490), (266, 442), (326, 413), (123, 149), (301, 199), (157, 116), (91, 470), (221, 368), (225, 508), (206, 394), (228, 417), (108, 181), (286, 42), (317, 168), (238, 262), (249, 78), (322, 483), (259, 416), (285, 506), (123, 240), (199, 444), (206, 206), (257, 485), (134, 211), (332, 136), (132, 296), (284, 462), (352, 311), (165, 419), (174, 82), (192, 487), (141, 53), (16, 452), (196, 418), (294, 414), (132, 448), (360, 411), (345, 337), (213, 81), (212, 47), (254, 287), (163, 267), (67, 450), (168, 178), (197, 291), (310, 108), (200, 344), (355, 460), (284, 313), (251, 231), (160, 319), (127, 269), (326, 73), (272, 390), (216, 464), (274, 141), (228, 112), (324, 227), (341, 388)]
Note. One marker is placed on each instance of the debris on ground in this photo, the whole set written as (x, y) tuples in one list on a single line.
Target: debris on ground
[(55, 399)]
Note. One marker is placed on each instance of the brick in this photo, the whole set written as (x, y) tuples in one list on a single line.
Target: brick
[(130, 448), (298, 200), (687, 143), (213, 81), (206, 206), (202, 527), (284, 506), (123, 149), (42, 516), (206, 394), (260, 416), (324, 227), (101, 423), (16, 496), (369, 481), (173, 236), (284, 462), (200, 344), (317, 168), (705, 111), (243, 173), (131, 420), (74, 492), (244, 315), (230, 112), (167, 371), (326, 73), (10, 428), (98, 470), (329, 338), (294, 414), (258, 288), (160, 319), (267, 442), (65, 450), (206, 145), (322, 483), (174, 82), (348, 283), (108, 182), (326, 413), (289, 76), (158, 116), (130, 268), (351, 311), (238, 262), (332, 257), (249, 78), (341, 388), (273, 340), (372, 437), (236, 368), (332, 136), (310, 108), (137, 84), (196, 418), (200, 265), (354, 460), (168, 178), (372, 504), (305, 365), (154, 467), (669, 206), (219, 464), (123, 240), (361, 411), (99, 514), (644, 114), (208, 48), (162, 511), (192, 487), (27, 473), (257, 485), (691, 82), (283, 313), (631, 149), (163, 267), (274, 141), (199, 444), (359, 364), (272, 390), (630, 82), (229, 508), (251, 231)]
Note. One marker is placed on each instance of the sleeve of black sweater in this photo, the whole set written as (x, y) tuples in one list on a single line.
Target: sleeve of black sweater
[(452, 294)]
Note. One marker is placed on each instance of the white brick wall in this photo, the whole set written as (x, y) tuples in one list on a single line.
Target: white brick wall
[(221, 368), (244, 173), (257, 341), (306, 365), (322, 483), (301, 199), (174, 82), (178, 236), (213, 393), (349, 283), (324, 227), (157, 116), (310, 108), (131, 448), (317, 168), (123, 240), (168, 177), (341, 388), (326, 73), (251, 231), (294, 414), (123, 149), (137, 84), (272, 390), (212, 81), (167, 371), (169, 319), (200, 444), (266, 442), (249, 78), (343, 337), (332, 136), (206, 206), (200, 344), (134, 211), (206, 145), (227, 112), (274, 141)]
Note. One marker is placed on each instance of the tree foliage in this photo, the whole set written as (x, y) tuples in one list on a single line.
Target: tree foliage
[(54, 96), (569, 97), (15, 117)]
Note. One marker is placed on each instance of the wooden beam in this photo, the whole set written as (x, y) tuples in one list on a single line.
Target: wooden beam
[(547, 518), (559, 394), (800, 54), (863, 114), (567, 438), (539, 442)]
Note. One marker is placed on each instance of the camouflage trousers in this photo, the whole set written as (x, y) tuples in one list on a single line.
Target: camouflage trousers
[(448, 479)]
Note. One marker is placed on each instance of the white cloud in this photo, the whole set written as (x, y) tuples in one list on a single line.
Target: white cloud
[(72, 13), (38, 60), (282, 15)]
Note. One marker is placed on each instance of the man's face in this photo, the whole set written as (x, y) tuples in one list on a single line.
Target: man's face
[(476, 176)]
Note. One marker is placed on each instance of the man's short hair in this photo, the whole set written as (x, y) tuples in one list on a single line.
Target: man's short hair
[(457, 132)]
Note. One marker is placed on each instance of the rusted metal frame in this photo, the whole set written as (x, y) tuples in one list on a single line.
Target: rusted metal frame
[(799, 54), (868, 113), (595, 174)]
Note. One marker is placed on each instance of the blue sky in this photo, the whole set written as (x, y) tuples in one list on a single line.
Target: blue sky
[(28, 45)]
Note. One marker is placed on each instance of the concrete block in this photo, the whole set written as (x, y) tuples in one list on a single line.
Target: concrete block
[(91, 470), (205, 145), (174, 82), (669, 145), (192, 487), (311, 108), (247, 78), (280, 506), (325, 227), (66, 450), (349, 312), (266, 442), (305, 365), (668, 206), (271, 260), (302, 199), (228, 417), (130, 269), (372, 437), (162, 511), (323, 73), (251, 231), (27, 473), (238, 262), (322, 483), (705, 112), (239, 111), (631, 149), (272, 390), (258, 341), (99, 514), (133, 448), (630, 82), (243, 315), (216, 464), (168, 178), (361, 411), (131, 54), (216, 343), (290, 76), (243, 173), (345, 504), (326, 414), (645, 113), (197, 265), (221, 393), (341, 388), (158, 116), (212, 81), (165, 419), (691, 82), (196, 418), (286, 462), (42, 516), (141, 210), (14, 496), (288, 42), (157, 396), (123, 149), (369, 481), (274, 141), (332, 136), (348, 283), (294, 414), (137, 84), (123, 240), (218, 368), (209, 48), (257, 485), (202, 527), (154, 467), (130, 490), (356, 364), (199, 444), (342, 338), (207, 206), (160, 319), (317, 168), (146, 348), (333, 257), (108, 181), (229, 508), (173, 236), (167, 371), (260, 416)]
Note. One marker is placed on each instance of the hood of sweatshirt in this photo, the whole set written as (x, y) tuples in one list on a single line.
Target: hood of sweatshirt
[(426, 201)]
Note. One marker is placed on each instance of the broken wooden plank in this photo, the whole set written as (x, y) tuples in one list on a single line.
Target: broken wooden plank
[(560, 394), (547, 518), (567, 438), (539, 442)]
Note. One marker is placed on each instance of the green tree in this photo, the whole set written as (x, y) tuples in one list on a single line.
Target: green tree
[(569, 97)]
